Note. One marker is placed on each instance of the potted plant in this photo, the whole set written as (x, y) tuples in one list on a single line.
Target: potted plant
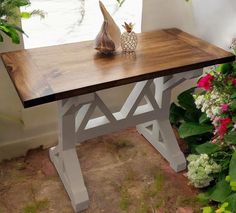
[(10, 16)]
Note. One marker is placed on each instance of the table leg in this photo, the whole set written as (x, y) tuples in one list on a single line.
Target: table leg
[(159, 132), (65, 159)]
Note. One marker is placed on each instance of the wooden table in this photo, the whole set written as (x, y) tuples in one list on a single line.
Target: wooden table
[(73, 73)]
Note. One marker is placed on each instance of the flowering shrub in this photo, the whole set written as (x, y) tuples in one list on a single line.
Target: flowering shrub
[(200, 170), (218, 101), (206, 119)]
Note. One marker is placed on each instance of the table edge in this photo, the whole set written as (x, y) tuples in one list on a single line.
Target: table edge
[(111, 84)]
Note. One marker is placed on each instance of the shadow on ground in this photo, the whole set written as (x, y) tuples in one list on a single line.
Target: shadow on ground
[(122, 171)]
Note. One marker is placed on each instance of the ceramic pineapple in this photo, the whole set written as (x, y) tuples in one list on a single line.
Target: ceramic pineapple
[(129, 38)]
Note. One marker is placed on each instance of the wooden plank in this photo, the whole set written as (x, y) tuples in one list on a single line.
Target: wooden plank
[(47, 74)]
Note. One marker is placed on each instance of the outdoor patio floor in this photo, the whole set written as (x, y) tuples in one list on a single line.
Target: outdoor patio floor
[(122, 171)]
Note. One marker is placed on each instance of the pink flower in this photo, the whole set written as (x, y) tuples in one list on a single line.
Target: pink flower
[(234, 81), (214, 141), (222, 129), (224, 107), (206, 82)]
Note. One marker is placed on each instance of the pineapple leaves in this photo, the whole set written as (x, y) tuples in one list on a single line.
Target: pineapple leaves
[(120, 2)]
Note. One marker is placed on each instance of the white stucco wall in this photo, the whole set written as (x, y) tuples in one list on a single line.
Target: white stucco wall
[(20, 129), (212, 20)]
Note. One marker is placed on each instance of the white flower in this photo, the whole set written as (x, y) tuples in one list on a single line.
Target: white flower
[(209, 113), (199, 101), (215, 110), (200, 168)]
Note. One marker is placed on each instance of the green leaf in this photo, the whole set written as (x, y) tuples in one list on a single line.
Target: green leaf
[(21, 3), (191, 129), (223, 159), (192, 115), (231, 200), (203, 198), (230, 138), (233, 96), (233, 105), (221, 191), (11, 32), (232, 167), (176, 114), (207, 148), (186, 100), (207, 209), (25, 14), (225, 68), (203, 118), (234, 119)]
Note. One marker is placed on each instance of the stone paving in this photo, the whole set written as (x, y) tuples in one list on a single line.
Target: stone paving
[(122, 171)]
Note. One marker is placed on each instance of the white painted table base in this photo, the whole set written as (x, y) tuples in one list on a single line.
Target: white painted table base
[(151, 119)]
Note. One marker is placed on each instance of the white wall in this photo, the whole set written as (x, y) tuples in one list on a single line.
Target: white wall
[(212, 20), (21, 129)]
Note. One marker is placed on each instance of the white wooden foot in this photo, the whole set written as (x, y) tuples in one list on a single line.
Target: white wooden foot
[(65, 158), (71, 177), (161, 136)]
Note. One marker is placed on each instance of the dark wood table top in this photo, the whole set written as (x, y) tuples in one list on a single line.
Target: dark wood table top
[(47, 74)]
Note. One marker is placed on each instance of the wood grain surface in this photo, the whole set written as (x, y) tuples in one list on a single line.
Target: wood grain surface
[(47, 74)]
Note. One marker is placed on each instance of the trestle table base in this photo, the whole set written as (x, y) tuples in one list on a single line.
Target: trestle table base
[(151, 120)]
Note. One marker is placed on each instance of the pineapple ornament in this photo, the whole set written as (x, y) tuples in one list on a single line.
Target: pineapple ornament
[(129, 39)]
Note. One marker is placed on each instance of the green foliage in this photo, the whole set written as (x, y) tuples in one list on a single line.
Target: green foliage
[(230, 138), (193, 125), (158, 182), (36, 206), (176, 114), (203, 198), (10, 16), (231, 200), (225, 68), (224, 208), (207, 209), (207, 148), (186, 100), (196, 128), (185, 110), (204, 119), (223, 159), (232, 171), (192, 129), (11, 31), (221, 191), (124, 199)]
